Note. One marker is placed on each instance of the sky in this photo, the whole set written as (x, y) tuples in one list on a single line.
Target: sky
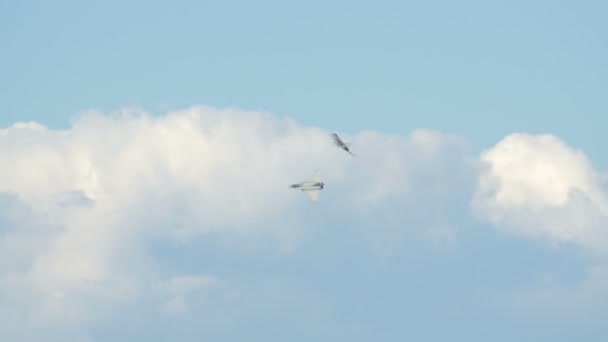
[(146, 150)]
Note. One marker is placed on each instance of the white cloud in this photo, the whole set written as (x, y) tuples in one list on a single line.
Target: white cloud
[(84, 210), (536, 185), (100, 191)]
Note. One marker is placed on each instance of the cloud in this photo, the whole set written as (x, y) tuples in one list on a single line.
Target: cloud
[(83, 208), (537, 186), (187, 218)]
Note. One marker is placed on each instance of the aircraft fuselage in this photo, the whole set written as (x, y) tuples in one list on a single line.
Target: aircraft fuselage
[(308, 186)]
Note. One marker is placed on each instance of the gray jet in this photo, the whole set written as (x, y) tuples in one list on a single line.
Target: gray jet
[(338, 142), (311, 187)]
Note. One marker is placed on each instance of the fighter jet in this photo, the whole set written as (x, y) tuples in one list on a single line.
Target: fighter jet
[(311, 187), (338, 142)]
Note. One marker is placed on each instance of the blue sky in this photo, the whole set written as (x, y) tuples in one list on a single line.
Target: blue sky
[(189, 234), (482, 69)]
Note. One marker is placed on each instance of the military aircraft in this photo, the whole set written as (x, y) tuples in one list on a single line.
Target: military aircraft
[(338, 142), (311, 187)]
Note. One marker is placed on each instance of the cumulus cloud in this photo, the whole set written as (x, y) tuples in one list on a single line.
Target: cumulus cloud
[(538, 186), (99, 218), (81, 207)]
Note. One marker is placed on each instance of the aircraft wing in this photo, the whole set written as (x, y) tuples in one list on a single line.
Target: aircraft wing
[(337, 139), (313, 195), (316, 177)]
